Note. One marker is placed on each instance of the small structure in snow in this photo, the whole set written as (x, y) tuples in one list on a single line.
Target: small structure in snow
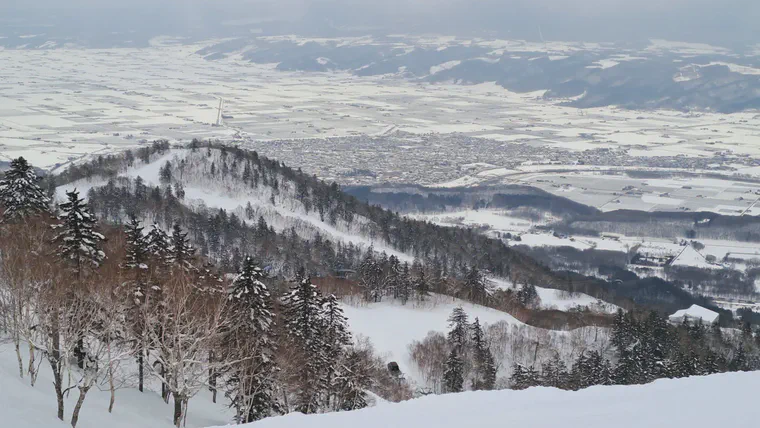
[(394, 369), (694, 314)]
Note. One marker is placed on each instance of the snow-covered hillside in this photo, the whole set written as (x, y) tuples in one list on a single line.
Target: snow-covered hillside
[(281, 208), (690, 402), (392, 328)]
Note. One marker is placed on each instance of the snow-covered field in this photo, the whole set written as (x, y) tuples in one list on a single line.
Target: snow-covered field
[(499, 221), (60, 105), (617, 192), (697, 402)]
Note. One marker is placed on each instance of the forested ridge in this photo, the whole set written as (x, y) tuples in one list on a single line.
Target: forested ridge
[(86, 295)]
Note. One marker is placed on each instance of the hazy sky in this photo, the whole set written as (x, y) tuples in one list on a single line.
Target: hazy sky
[(724, 21)]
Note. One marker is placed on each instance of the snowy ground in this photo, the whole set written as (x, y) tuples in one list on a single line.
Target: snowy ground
[(392, 327), (496, 220), (666, 403), (24, 406)]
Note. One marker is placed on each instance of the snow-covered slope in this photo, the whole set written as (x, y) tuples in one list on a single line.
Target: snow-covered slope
[(393, 327), (282, 208), (23, 406), (680, 403)]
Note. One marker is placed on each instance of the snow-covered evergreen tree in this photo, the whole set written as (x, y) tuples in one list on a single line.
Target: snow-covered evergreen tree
[(393, 277), (20, 194), (459, 334), (336, 338), (78, 242), (370, 276), (136, 259), (135, 263), (249, 346), (554, 373), (524, 377), (352, 383), (453, 375), (159, 246), (485, 368), (476, 286), (421, 285), (404, 288), (527, 295), (181, 252), (304, 328), (78, 246)]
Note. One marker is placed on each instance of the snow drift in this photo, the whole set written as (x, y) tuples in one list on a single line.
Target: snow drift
[(713, 401)]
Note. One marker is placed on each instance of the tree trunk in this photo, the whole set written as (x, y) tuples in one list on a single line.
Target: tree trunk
[(79, 352), (17, 345), (58, 392), (78, 406), (212, 376), (32, 370), (140, 370), (164, 387), (55, 364), (177, 411), (110, 380)]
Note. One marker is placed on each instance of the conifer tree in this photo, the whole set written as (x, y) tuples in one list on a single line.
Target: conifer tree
[(249, 346), (421, 285), (369, 274), (352, 383), (523, 377), (304, 327), (159, 246), (181, 251), (476, 286), (527, 295), (336, 338), (393, 279), (78, 245), (554, 373), (20, 194), (453, 375), (405, 284), (78, 242), (485, 368), (459, 334), (135, 264)]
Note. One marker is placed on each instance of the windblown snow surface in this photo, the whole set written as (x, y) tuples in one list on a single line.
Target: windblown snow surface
[(723, 400)]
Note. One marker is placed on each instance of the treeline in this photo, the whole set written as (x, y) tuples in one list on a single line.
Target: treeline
[(86, 297), (672, 225), (647, 347), (526, 199)]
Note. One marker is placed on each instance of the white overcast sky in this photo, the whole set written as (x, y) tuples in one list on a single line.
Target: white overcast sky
[(697, 20)]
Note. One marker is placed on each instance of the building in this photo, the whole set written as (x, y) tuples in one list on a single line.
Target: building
[(694, 314)]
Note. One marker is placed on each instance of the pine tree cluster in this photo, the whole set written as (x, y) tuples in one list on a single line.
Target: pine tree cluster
[(469, 357), (647, 347)]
